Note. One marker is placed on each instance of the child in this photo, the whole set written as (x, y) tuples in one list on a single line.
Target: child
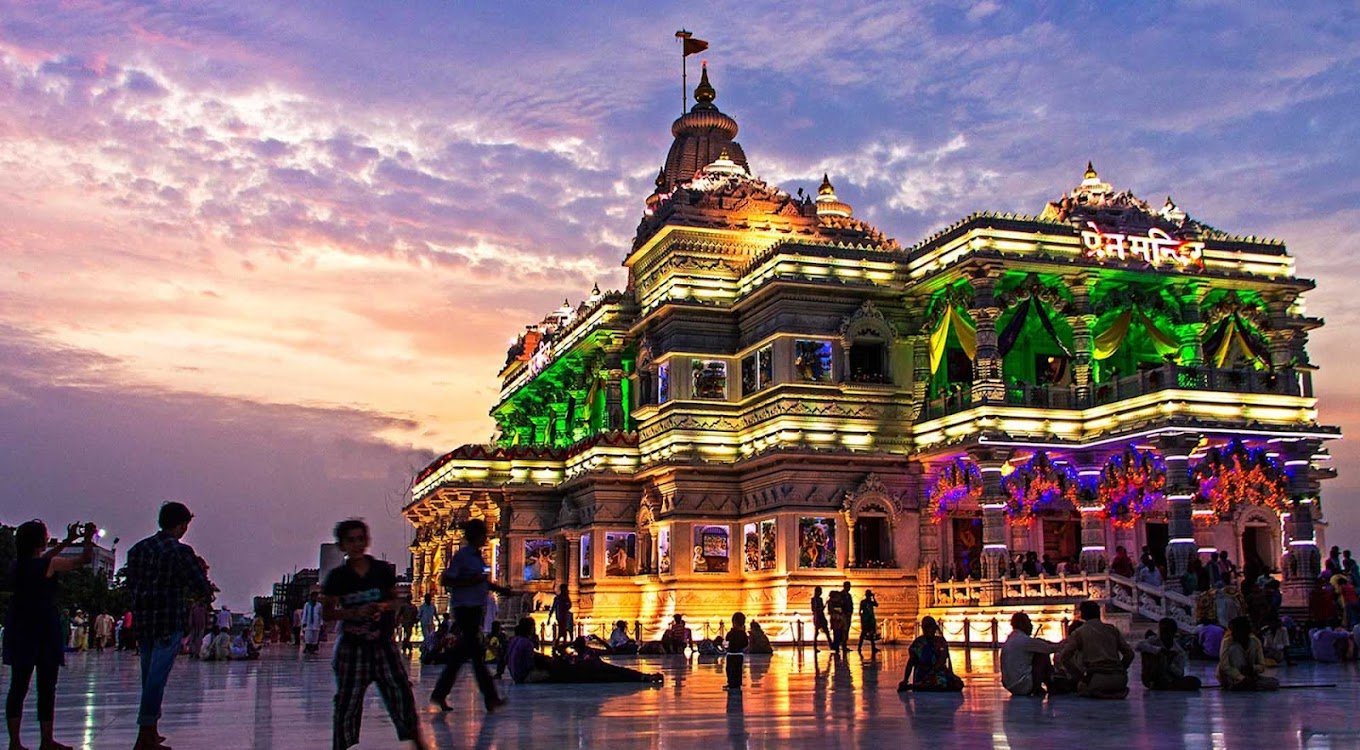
[(737, 641)]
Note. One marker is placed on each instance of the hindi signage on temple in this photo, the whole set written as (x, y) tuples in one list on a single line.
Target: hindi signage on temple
[(1155, 248)]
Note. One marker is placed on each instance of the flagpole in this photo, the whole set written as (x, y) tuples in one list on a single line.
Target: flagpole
[(682, 35)]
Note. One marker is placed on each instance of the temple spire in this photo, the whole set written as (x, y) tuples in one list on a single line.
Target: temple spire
[(704, 93), (1091, 172)]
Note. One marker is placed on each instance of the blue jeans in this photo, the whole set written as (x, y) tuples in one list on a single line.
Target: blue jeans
[(158, 657)]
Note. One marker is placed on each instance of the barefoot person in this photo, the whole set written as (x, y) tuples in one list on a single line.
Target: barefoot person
[(163, 575), (33, 636), (467, 583), (361, 593)]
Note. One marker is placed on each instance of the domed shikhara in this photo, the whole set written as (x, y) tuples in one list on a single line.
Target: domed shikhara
[(1096, 201), (701, 136)]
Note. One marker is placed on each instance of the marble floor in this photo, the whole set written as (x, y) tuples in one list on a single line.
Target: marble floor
[(792, 699)]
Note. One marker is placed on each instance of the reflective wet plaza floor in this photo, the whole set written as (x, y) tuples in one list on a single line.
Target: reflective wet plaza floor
[(792, 699)]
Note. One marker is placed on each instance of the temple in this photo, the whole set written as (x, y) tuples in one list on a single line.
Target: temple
[(783, 397)]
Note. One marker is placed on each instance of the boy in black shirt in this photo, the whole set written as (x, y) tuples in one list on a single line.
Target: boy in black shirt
[(361, 593), (737, 641)]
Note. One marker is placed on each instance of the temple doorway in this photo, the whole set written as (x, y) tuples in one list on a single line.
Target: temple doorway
[(967, 548), (873, 542), (1158, 536), (1258, 552), (1062, 540)]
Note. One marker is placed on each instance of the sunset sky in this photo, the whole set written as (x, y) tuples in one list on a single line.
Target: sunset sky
[(265, 258)]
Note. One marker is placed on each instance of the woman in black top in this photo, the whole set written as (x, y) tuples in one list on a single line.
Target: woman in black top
[(34, 640)]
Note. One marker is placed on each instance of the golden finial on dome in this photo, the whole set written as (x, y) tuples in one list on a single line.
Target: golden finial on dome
[(1090, 171), (723, 156), (826, 188), (704, 93)]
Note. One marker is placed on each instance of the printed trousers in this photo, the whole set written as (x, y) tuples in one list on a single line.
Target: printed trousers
[(356, 665)]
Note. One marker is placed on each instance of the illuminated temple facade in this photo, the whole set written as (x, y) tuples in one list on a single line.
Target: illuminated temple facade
[(784, 398)]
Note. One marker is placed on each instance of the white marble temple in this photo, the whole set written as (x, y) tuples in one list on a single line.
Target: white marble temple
[(791, 700)]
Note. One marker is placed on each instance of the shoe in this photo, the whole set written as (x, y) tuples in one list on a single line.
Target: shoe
[(442, 702), (493, 706)]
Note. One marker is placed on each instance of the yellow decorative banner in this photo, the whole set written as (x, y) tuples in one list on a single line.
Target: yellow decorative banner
[(965, 332)]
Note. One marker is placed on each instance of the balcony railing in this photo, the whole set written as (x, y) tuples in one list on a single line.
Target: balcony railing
[(1283, 382)]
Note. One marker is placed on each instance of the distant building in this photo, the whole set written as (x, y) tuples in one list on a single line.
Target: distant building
[(331, 558), (291, 591), (102, 562)]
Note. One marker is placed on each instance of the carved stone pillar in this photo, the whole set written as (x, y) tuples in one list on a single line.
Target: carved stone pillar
[(987, 382), (995, 552), (1083, 343), (1180, 492), (920, 373), (1304, 559), (1285, 341), (1191, 338), (615, 416), (930, 546), (571, 571), (848, 518)]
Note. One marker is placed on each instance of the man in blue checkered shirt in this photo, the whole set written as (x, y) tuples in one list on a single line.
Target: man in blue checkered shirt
[(163, 574)]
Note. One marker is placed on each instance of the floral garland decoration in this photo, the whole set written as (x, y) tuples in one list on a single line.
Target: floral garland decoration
[(1037, 483), (1236, 475), (1129, 485), (959, 481)]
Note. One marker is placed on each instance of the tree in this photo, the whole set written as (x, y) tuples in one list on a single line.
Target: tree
[(89, 591)]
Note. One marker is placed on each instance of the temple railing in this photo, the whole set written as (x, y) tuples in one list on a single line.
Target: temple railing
[(1152, 602), (1283, 382)]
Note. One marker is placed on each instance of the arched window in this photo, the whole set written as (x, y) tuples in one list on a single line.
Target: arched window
[(867, 338)]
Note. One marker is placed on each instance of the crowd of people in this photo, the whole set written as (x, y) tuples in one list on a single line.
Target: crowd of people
[(1241, 628)]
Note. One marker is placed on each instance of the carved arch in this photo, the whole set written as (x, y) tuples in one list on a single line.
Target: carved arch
[(867, 320), (871, 497)]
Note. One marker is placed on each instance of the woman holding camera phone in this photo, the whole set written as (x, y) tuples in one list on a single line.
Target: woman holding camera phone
[(34, 639)]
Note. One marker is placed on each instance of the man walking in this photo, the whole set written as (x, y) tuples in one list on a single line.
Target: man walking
[(311, 622), (161, 572), (467, 583), (428, 630)]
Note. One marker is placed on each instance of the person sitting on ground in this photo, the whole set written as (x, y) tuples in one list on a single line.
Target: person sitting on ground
[(574, 664), (1331, 644), (1164, 660), (760, 643), (1275, 642), (219, 649), (619, 640), (1209, 636), (1243, 663), (928, 666), (495, 645), (521, 650), (1104, 656), (1025, 665), (677, 637), (243, 646), (713, 647), (205, 645)]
